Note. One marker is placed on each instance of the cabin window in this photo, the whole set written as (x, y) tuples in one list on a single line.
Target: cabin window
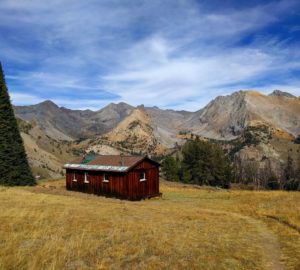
[(142, 176), (74, 177), (105, 178), (86, 175)]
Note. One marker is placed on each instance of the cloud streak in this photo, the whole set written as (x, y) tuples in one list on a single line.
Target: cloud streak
[(174, 54)]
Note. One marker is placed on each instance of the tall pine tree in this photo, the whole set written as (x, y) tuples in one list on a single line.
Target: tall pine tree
[(14, 168), (170, 169), (205, 163)]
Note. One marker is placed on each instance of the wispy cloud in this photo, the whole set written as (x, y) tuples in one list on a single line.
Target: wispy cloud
[(174, 54), (24, 99)]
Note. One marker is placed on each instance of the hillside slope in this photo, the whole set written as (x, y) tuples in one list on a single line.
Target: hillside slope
[(64, 124), (134, 134), (46, 156), (167, 124), (227, 116)]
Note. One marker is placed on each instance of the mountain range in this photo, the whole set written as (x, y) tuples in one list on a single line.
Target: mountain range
[(124, 128)]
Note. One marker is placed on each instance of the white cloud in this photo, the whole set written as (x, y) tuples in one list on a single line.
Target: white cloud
[(174, 54), (180, 79), (24, 99), (82, 104)]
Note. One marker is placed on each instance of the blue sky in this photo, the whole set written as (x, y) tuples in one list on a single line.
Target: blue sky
[(176, 54)]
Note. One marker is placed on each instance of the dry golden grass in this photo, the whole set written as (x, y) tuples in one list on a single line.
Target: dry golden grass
[(46, 227)]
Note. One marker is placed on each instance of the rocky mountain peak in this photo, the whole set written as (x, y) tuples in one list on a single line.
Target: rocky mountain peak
[(47, 103), (227, 116), (280, 93)]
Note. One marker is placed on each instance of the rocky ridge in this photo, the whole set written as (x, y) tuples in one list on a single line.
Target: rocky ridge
[(271, 121)]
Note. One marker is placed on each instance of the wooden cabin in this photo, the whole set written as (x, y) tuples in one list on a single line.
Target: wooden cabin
[(124, 177)]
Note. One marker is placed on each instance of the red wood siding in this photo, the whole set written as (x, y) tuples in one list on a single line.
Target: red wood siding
[(122, 185), (142, 189)]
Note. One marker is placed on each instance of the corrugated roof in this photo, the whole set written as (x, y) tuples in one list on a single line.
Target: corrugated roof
[(105, 163), (96, 167)]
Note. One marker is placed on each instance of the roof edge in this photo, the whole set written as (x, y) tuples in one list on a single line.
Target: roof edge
[(95, 167), (142, 159)]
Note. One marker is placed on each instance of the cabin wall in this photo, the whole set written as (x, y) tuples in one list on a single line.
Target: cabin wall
[(120, 185), (116, 187), (143, 189)]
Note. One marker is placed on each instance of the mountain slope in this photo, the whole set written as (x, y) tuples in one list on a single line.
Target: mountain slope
[(46, 156), (223, 118), (279, 93), (134, 134), (167, 124), (227, 116), (65, 124), (253, 126)]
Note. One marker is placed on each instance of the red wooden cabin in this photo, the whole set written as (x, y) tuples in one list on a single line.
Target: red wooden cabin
[(125, 177)]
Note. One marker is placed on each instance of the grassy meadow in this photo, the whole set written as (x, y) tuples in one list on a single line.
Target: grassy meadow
[(47, 227)]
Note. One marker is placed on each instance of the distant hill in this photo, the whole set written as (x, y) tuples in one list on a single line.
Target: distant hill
[(65, 124)]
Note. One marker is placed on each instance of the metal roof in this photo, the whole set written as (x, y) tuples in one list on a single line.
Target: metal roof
[(114, 163), (96, 167)]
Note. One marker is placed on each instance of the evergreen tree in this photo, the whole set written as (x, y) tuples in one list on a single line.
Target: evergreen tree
[(14, 168), (170, 169), (289, 169), (290, 180), (205, 164)]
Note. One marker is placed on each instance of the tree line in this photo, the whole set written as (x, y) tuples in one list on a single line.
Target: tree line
[(205, 163), (202, 163), (249, 172)]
